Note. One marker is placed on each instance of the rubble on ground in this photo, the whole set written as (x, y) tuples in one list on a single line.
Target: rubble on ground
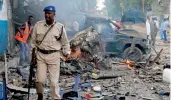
[(87, 52), (116, 77), (124, 82)]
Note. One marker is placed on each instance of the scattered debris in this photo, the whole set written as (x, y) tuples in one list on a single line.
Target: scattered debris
[(157, 57), (101, 76), (20, 89), (97, 88)]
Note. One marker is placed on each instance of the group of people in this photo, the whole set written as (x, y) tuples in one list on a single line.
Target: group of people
[(49, 38), (153, 27)]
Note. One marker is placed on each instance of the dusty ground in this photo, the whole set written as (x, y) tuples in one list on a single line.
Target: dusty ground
[(143, 86), (146, 85)]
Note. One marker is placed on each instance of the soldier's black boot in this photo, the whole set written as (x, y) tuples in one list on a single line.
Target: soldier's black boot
[(39, 88), (40, 96)]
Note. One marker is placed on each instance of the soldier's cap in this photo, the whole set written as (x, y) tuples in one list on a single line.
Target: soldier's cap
[(50, 8)]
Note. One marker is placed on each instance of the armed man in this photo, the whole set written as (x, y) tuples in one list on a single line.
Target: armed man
[(50, 39)]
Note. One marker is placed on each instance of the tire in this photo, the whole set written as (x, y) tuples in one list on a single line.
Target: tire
[(136, 55)]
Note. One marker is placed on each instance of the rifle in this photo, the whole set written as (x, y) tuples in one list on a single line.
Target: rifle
[(32, 66)]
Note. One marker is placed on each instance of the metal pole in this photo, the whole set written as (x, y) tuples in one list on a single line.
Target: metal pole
[(170, 50), (170, 90), (6, 68), (4, 88)]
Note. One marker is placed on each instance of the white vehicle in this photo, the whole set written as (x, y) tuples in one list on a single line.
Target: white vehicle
[(167, 77)]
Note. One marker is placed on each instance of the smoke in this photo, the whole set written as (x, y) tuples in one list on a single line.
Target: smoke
[(100, 4), (66, 12), (69, 12)]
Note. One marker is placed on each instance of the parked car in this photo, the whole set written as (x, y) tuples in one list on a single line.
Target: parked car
[(118, 42)]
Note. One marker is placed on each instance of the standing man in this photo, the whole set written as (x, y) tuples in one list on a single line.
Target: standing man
[(76, 26), (164, 27), (49, 38), (154, 30), (157, 23), (161, 30), (22, 37), (148, 29)]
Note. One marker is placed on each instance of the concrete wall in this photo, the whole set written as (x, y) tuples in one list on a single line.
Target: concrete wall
[(11, 31)]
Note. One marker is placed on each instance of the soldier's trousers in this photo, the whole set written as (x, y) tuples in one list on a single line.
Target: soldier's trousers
[(153, 38), (48, 63), (164, 35)]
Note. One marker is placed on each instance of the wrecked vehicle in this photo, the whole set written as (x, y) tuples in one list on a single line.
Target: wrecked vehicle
[(126, 43)]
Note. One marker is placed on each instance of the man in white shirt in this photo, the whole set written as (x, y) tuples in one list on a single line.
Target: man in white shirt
[(76, 26), (154, 29), (148, 27), (164, 27)]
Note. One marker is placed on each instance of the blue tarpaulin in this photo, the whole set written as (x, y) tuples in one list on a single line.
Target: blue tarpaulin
[(3, 36)]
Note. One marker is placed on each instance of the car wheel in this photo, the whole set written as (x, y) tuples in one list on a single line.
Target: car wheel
[(135, 55)]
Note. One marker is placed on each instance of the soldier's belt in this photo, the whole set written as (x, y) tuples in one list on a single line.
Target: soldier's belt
[(47, 51)]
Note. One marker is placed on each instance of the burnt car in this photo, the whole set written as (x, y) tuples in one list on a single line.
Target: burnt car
[(119, 42)]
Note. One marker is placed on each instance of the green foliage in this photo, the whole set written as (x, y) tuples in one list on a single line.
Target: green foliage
[(116, 6), (149, 2)]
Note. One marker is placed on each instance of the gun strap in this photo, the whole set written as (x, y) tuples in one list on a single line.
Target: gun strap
[(46, 33), (60, 34)]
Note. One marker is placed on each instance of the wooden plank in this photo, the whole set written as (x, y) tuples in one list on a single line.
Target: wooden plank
[(157, 57), (20, 89), (6, 68), (132, 45), (148, 60)]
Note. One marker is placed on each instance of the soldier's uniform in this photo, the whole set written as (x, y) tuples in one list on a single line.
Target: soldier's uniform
[(154, 30), (48, 54)]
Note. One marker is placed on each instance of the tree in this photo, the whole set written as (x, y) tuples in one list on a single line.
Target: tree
[(135, 4), (119, 6), (148, 2)]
